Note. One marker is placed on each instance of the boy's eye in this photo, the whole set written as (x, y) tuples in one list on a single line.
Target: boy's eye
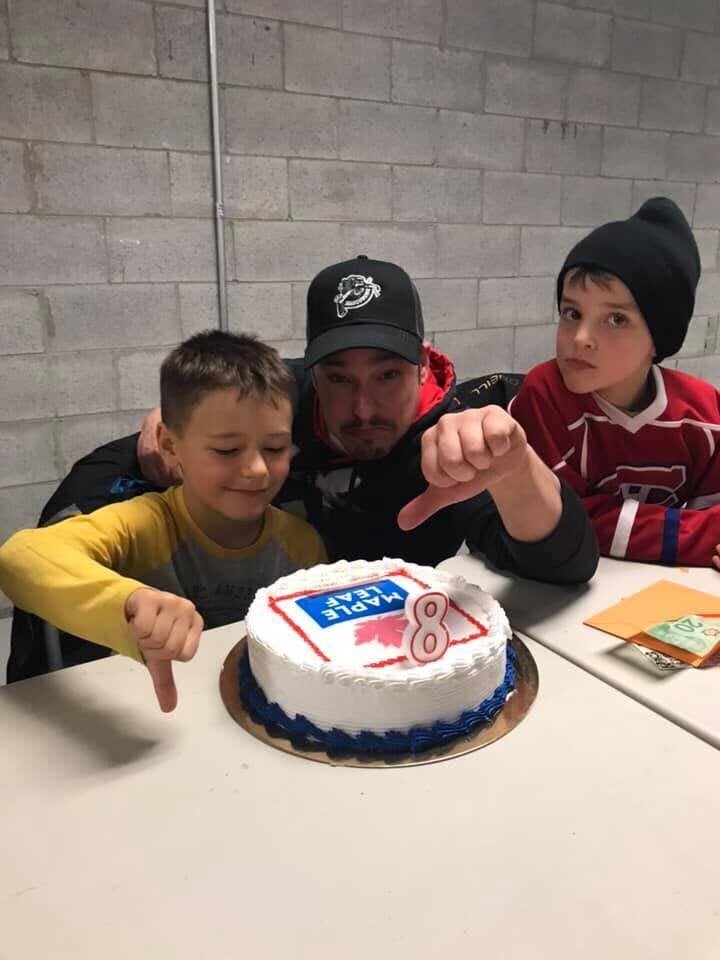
[(569, 313), (617, 320), (225, 453), (282, 449)]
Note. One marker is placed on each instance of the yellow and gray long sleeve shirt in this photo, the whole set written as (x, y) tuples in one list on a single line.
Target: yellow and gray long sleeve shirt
[(77, 574)]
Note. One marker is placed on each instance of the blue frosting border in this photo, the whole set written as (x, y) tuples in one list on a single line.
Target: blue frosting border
[(303, 733)]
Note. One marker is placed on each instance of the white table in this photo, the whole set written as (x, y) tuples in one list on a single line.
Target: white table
[(589, 831), (554, 617)]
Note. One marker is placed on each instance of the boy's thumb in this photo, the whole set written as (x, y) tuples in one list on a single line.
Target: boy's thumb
[(164, 683)]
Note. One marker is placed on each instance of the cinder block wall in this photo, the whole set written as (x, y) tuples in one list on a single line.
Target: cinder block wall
[(473, 141)]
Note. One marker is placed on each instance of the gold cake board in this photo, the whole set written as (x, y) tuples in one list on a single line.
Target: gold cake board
[(516, 707)]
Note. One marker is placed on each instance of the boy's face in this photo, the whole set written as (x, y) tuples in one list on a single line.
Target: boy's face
[(369, 398), (233, 455), (603, 343)]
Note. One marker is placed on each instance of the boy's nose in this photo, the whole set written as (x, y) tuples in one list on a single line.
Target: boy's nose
[(254, 465), (584, 337)]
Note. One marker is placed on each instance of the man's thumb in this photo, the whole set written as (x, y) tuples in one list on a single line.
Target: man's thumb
[(417, 511), (164, 683)]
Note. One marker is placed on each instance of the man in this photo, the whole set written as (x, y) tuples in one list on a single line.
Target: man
[(386, 468)]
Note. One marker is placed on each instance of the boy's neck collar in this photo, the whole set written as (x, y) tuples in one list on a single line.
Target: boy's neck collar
[(633, 421)]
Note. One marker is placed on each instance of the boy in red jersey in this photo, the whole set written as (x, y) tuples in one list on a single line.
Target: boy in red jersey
[(637, 441)]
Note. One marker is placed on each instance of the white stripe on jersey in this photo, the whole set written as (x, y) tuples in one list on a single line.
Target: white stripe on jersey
[(621, 538), (702, 503)]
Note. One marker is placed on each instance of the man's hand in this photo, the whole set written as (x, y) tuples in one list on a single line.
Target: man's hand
[(467, 453), (166, 628), (153, 465)]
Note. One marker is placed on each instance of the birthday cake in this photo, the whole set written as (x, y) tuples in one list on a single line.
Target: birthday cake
[(375, 657)]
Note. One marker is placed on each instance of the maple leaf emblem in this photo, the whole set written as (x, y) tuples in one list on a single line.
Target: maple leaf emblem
[(386, 630)]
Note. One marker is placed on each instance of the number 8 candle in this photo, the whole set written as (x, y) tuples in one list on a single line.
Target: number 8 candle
[(426, 637)]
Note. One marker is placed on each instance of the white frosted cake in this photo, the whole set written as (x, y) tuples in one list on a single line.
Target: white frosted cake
[(375, 656)]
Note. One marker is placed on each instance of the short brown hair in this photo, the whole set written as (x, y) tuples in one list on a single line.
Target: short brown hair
[(215, 360)]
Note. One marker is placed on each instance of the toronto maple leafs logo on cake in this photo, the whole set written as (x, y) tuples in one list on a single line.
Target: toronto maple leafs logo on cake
[(355, 291)]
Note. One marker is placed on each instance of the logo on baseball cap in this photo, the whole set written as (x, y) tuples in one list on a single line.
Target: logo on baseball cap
[(363, 303)]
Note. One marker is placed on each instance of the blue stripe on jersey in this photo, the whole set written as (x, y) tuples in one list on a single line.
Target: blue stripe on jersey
[(671, 535)]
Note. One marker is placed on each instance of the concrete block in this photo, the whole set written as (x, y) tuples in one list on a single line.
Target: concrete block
[(448, 304), (333, 190), (284, 251), (161, 250), (114, 315), (481, 140), (99, 180), (694, 157), (198, 307), (412, 245), (707, 295), (696, 338), (337, 64), (478, 352), (4, 39), (682, 193), (521, 198), (474, 251), (136, 112), (515, 301), (280, 124), (707, 207), (645, 48), (322, 13), (113, 35), (634, 153), (78, 436), (397, 134), (51, 250), (526, 89), (543, 249), (574, 148), (598, 96), (249, 49), (299, 309), (590, 201), (701, 58), (498, 26), (28, 453), (672, 105), (139, 379), (576, 36), (24, 384), (289, 349), (20, 508), (640, 9), (712, 119), (253, 187), (22, 321), (687, 14), (264, 309), (707, 241), (533, 345), (15, 194), (402, 19), (438, 78), (44, 103), (706, 368), (437, 194), (82, 382)]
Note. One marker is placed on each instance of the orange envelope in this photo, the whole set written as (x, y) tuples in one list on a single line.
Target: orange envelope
[(660, 601)]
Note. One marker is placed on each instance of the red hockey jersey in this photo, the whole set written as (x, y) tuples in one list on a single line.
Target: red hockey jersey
[(650, 482)]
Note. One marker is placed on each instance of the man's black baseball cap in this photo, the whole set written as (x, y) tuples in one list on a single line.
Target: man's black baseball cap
[(363, 303)]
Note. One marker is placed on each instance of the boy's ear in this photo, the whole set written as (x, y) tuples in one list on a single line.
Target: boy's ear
[(166, 441)]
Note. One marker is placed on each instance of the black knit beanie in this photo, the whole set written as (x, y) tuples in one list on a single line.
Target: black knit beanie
[(655, 255)]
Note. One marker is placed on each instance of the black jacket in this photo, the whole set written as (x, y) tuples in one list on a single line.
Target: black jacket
[(354, 507)]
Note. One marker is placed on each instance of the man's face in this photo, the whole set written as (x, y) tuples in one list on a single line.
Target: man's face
[(368, 398)]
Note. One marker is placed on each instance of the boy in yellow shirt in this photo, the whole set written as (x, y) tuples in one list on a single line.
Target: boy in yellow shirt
[(144, 576)]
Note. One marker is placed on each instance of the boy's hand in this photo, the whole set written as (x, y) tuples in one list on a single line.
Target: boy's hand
[(716, 557), (464, 454), (152, 463), (166, 628)]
